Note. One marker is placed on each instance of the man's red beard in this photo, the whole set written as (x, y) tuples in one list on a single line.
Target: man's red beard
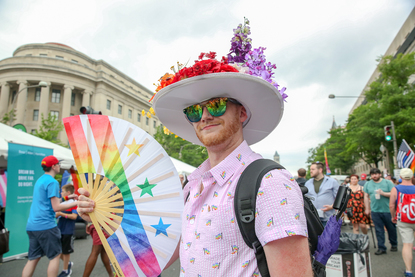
[(218, 138)]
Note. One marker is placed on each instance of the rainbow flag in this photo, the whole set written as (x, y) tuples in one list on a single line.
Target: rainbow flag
[(206, 251), (328, 171), (215, 265)]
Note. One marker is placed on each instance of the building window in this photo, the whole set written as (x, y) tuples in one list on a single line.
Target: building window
[(74, 61), (56, 96), (71, 114), (154, 124), (119, 109), (13, 95), (35, 115), (108, 104), (55, 114), (37, 94), (59, 57), (139, 117), (73, 99), (147, 121), (33, 131), (130, 113), (43, 55)]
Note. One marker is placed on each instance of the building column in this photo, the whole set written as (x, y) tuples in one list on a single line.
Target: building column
[(20, 102), (66, 110), (44, 103), (86, 97), (4, 98), (66, 104)]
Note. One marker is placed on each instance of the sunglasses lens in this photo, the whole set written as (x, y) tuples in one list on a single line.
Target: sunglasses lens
[(194, 113), (217, 107)]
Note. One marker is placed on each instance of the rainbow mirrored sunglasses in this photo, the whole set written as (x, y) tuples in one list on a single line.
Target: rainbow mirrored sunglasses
[(216, 107)]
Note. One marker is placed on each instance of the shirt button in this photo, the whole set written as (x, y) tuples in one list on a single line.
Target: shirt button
[(192, 221)]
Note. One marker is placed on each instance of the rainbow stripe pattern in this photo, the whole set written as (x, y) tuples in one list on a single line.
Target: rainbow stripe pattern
[(112, 165), (245, 264)]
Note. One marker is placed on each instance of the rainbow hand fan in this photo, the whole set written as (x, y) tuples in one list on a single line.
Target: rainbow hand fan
[(137, 192)]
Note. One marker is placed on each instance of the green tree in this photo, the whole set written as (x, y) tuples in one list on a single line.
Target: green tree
[(390, 98), (181, 149), (49, 129), (336, 156), (8, 117)]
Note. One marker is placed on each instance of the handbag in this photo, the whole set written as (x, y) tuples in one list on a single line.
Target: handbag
[(349, 212), (4, 239)]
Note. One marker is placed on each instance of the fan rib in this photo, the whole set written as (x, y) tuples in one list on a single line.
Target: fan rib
[(100, 186), (131, 159), (111, 199), (159, 214), (96, 184), (107, 246), (109, 215), (113, 191), (104, 191), (154, 230), (114, 204), (144, 168), (83, 181), (102, 222), (155, 181), (110, 210), (158, 197)]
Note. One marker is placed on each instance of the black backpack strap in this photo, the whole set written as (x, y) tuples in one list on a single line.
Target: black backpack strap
[(245, 202)]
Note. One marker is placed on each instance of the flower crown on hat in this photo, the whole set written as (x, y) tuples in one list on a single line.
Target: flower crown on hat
[(240, 59)]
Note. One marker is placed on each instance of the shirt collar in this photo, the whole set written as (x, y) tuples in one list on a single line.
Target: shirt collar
[(226, 168)]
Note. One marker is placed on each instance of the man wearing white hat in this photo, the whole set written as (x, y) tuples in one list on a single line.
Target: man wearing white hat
[(226, 106), (401, 205)]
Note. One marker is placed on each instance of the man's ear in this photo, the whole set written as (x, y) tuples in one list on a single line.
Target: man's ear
[(243, 114)]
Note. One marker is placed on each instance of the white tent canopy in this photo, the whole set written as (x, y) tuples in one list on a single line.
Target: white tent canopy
[(10, 134)]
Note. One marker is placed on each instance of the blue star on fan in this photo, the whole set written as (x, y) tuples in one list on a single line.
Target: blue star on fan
[(161, 228)]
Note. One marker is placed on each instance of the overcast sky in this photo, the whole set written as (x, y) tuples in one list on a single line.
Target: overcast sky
[(319, 47)]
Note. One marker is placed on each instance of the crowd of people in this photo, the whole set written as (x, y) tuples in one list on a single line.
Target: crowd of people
[(386, 204), (56, 240)]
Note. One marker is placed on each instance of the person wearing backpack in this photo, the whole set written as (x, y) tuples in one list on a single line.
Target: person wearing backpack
[(402, 208), (221, 106)]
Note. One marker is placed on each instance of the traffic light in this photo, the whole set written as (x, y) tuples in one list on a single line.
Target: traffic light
[(89, 110), (388, 132)]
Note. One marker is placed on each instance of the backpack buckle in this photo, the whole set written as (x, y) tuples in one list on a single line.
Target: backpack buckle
[(247, 216), (256, 245)]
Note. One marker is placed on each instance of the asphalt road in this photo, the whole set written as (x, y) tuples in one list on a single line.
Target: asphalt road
[(389, 265)]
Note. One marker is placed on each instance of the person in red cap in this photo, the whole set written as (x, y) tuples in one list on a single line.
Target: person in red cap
[(44, 235), (362, 181)]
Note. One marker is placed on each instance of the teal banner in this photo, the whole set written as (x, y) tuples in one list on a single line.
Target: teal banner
[(23, 169)]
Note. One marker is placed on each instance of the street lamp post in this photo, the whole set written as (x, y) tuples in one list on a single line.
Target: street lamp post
[(41, 84)]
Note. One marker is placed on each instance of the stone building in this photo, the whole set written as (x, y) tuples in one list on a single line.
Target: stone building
[(73, 80), (277, 157), (404, 42)]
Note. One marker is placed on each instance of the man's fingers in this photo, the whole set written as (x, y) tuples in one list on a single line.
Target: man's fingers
[(83, 191)]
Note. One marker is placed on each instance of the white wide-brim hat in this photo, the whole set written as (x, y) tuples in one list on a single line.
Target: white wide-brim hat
[(261, 99)]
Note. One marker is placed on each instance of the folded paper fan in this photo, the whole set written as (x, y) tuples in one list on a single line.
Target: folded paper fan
[(136, 189)]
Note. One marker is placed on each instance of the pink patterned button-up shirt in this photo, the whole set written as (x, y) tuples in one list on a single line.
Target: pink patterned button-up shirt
[(212, 244)]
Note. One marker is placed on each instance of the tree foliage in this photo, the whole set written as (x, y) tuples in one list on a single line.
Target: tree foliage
[(389, 98), (49, 129), (336, 156), (181, 149), (9, 117)]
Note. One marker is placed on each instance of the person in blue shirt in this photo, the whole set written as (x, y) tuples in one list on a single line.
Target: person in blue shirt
[(44, 235), (66, 225), (323, 191)]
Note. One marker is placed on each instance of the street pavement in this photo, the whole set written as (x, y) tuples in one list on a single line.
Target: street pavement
[(389, 265)]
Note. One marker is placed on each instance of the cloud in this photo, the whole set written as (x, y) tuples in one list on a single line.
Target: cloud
[(320, 47)]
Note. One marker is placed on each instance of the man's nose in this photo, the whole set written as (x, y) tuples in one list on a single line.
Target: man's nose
[(206, 115)]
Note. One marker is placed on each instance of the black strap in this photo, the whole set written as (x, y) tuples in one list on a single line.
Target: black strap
[(245, 203)]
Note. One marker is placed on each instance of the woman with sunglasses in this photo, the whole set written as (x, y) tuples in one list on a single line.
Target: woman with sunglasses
[(226, 107)]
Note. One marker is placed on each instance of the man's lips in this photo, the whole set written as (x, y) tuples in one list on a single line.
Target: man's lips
[(207, 127)]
